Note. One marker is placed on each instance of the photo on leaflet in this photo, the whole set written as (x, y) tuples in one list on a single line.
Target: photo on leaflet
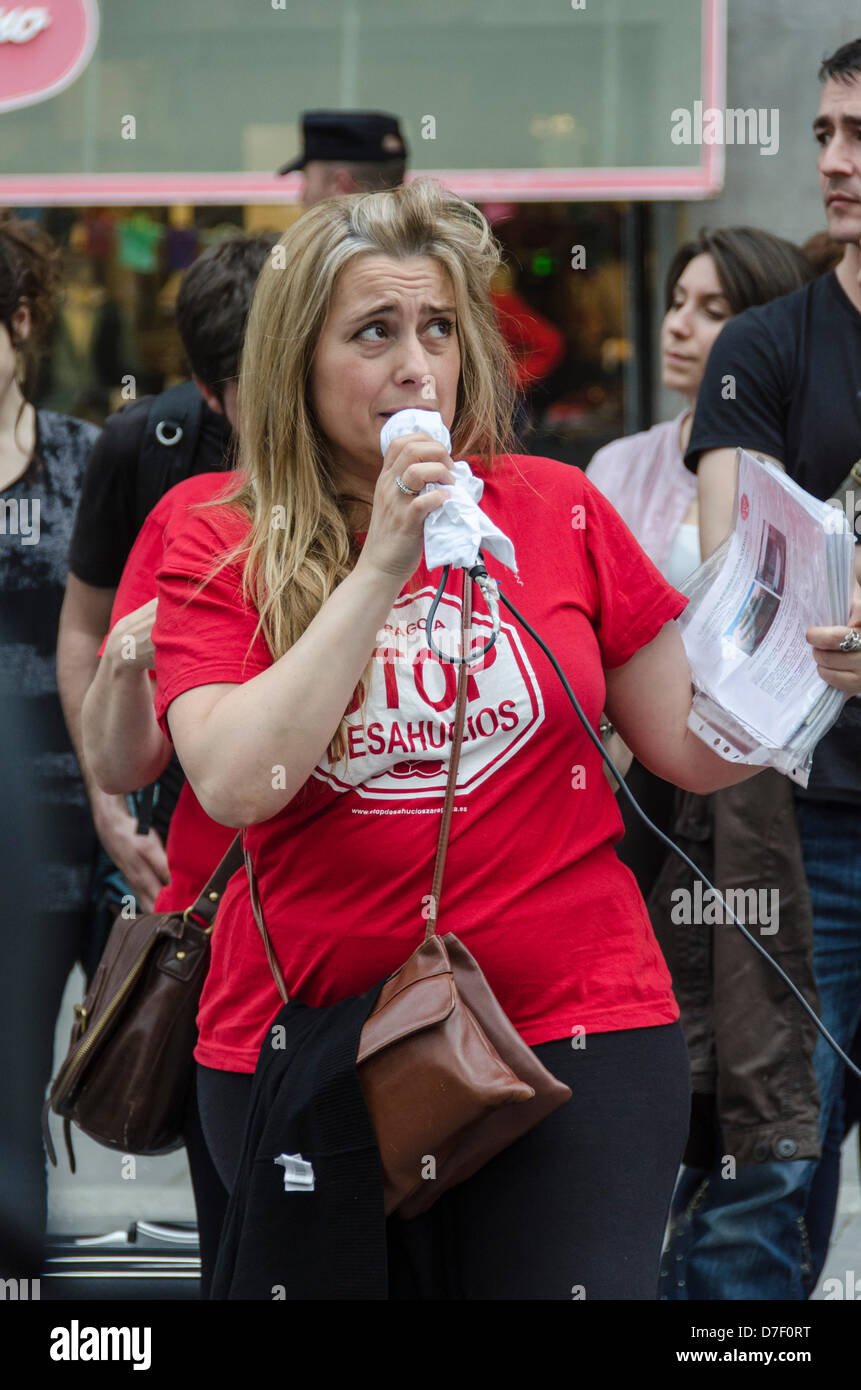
[(751, 623), (771, 569)]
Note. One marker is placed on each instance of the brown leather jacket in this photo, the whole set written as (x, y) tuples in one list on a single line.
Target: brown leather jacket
[(750, 1042)]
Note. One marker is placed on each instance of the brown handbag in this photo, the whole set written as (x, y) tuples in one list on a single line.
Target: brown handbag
[(447, 1079), (126, 1076)]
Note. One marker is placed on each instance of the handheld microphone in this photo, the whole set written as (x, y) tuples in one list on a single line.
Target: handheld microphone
[(456, 530)]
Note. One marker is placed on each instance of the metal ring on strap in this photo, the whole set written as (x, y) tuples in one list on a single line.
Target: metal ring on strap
[(168, 440)]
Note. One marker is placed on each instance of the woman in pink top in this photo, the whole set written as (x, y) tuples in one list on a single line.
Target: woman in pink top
[(709, 281)]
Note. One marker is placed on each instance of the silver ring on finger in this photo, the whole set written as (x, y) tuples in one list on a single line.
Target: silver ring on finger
[(852, 641), (409, 491)]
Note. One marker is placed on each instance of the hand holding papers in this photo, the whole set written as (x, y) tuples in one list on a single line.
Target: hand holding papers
[(788, 565)]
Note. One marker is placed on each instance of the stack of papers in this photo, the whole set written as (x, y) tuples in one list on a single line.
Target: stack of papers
[(788, 565)]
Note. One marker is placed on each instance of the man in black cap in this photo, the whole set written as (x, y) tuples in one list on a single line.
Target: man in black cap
[(348, 152)]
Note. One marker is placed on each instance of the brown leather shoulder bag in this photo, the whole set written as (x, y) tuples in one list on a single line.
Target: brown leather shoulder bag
[(447, 1079), (125, 1078)]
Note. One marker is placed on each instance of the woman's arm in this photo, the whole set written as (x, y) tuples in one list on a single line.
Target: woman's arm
[(123, 744), (649, 700), (233, 739), (229, 738)]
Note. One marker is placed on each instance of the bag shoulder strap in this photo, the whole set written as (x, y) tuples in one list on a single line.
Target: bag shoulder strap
[(170, 439), (448, 807), (454, 764), (206, 904)]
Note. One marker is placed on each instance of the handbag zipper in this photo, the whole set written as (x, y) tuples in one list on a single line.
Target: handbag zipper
[(107, 1015)]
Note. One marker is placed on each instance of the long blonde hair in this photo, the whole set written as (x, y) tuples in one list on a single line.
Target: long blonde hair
[(300, 546)]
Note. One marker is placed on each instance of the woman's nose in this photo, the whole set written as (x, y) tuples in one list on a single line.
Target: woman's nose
[(679, 323), (411, 359)]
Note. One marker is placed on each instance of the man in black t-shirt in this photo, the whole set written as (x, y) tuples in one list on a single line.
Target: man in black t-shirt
[(138, 456), (784, 380)]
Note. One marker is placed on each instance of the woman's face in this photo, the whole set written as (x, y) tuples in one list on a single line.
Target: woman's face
[(696, 316), (389, 343)]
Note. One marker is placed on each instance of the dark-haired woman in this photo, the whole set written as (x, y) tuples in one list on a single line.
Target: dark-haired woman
[(42, 458), (709, 281), (751, 1047)]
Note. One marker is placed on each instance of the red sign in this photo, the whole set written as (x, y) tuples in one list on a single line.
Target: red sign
[(43, 48)]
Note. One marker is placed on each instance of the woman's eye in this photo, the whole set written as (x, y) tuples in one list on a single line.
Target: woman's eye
[(446, 325), (367, 328)]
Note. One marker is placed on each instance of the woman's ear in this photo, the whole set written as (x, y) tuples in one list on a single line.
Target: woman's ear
[(21, 324)]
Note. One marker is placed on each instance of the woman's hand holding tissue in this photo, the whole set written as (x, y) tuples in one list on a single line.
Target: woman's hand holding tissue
[(395, 536)]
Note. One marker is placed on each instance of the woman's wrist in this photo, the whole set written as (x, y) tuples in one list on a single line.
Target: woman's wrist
[(379, 588), (121, 657)]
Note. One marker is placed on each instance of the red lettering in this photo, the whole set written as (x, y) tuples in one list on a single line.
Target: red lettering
[(449, 676), (388, 656), (396, 740), (416, 731), (431, 740), (508, 710), (356, 740), (376, 742), (493, 725)]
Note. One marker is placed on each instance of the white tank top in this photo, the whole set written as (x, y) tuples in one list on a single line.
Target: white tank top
[(684, 555)]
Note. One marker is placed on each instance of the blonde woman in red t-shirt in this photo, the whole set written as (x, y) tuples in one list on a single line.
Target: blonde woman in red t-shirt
[(304, 705)]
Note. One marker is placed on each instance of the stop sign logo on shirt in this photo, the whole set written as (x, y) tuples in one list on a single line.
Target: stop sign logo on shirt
[(403, 749)]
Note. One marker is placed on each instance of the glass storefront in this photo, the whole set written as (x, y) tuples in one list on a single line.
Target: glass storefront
[(214, 88), (564, 295)]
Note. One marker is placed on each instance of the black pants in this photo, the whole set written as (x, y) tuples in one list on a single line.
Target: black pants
[(210, 1194), (576, 1209)]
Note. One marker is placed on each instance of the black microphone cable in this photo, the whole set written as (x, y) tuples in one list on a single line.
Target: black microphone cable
[(491, 592)]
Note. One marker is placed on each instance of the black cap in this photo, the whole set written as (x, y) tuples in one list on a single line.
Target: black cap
[(357, 136)]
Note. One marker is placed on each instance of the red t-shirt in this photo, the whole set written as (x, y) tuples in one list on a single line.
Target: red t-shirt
[(195, 842), (533, 886)]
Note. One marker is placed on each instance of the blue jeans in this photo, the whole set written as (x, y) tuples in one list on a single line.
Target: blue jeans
[(746, 1237)]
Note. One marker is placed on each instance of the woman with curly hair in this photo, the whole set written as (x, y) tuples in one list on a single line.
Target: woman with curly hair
[(42, 460)]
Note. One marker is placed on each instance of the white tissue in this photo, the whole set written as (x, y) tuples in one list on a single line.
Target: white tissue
[(298, 1172), (456, 530)]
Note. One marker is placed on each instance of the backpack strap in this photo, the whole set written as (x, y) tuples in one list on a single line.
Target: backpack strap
[(169, 444)]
